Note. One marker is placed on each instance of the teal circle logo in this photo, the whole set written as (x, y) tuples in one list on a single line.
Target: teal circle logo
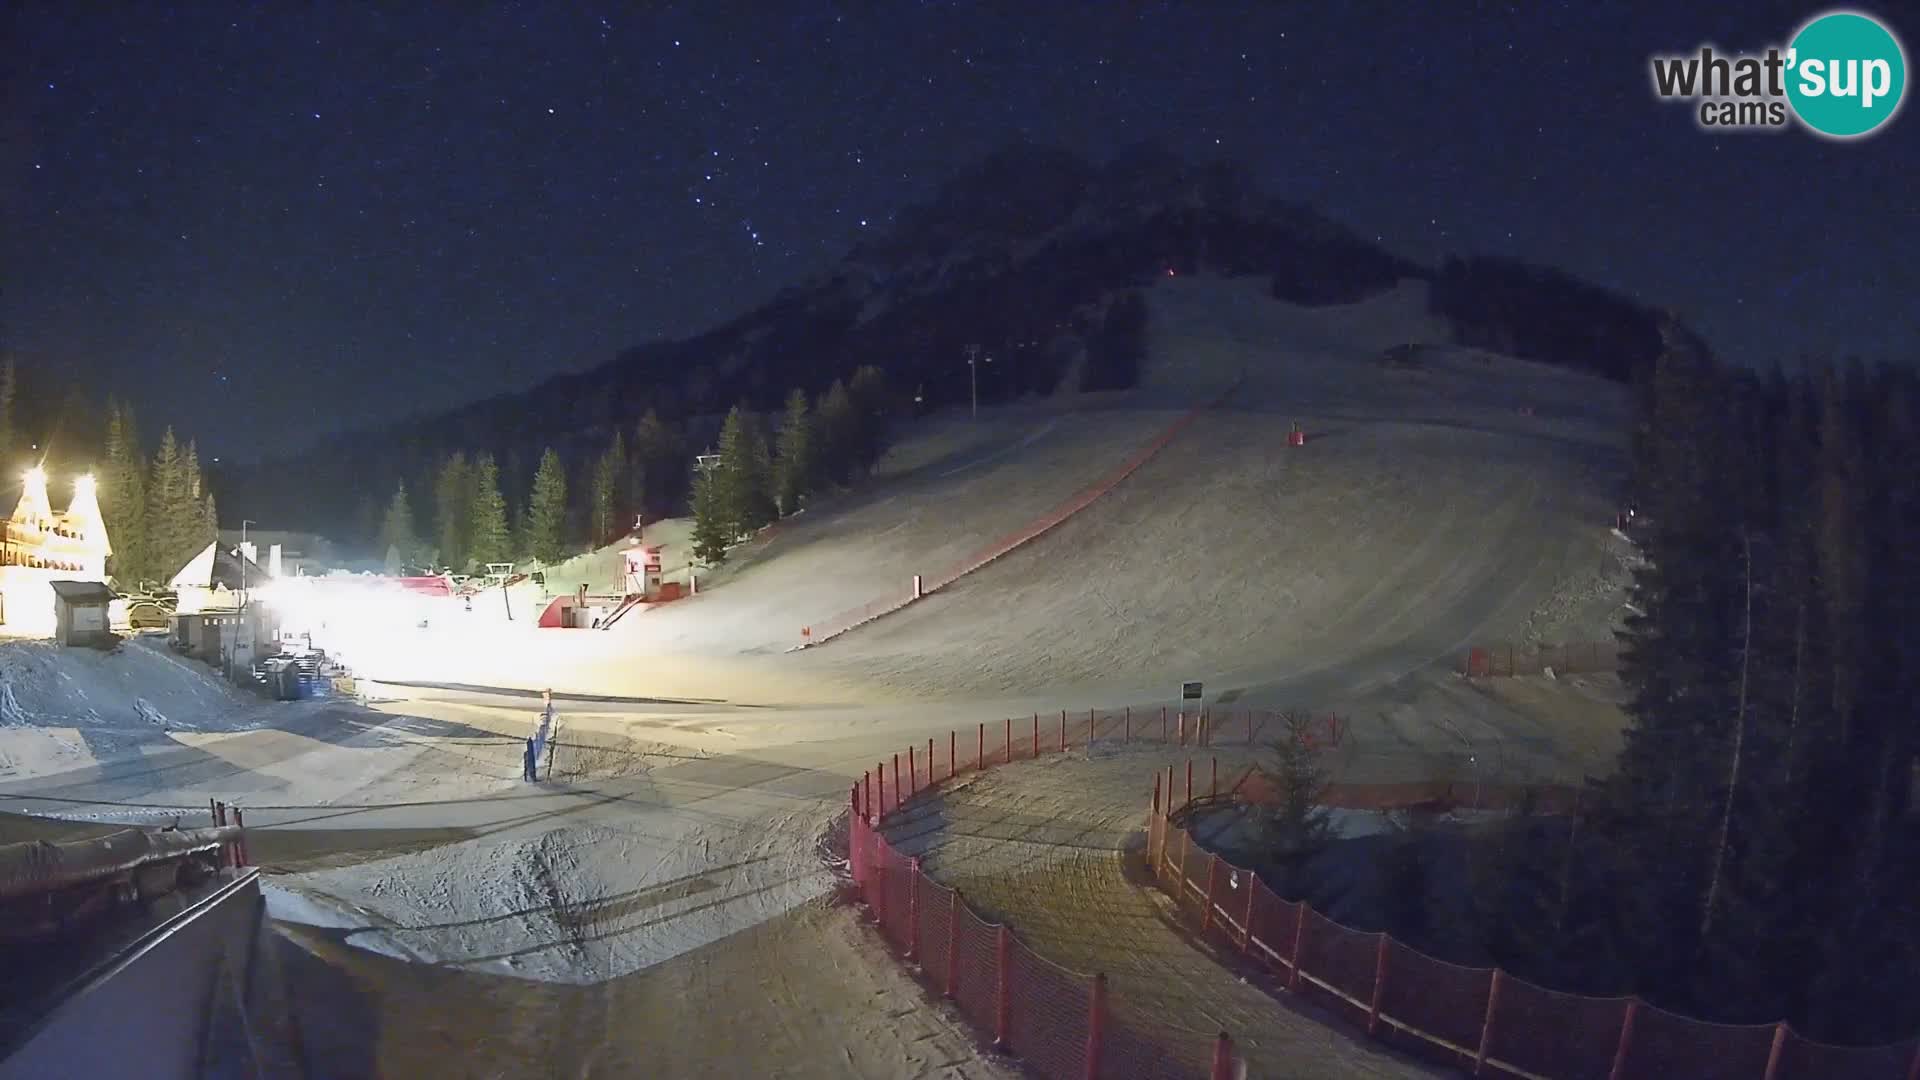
[(1846, 74)]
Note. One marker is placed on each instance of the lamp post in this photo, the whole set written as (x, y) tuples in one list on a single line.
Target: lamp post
[(246, 616), (973, 375), (244, 522)]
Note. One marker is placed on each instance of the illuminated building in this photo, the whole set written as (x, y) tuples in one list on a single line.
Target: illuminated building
[(39, 546)]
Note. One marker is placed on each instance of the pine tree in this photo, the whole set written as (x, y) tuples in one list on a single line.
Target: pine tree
[(608, 492), (657, 458), (796, 465), (713, 527), (490, 541), (546, 519), (453, 510), (171, 510), (1298, 826), (201, 518), (397, 536), (123, 498), (873, 407), (743, 478), (837, 432), (1680, 664)]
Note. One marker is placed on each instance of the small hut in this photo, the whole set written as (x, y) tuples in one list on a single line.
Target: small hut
[(80, 612)]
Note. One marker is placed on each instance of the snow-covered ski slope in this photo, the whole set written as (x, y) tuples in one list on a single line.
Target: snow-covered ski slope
[(1432, 505)]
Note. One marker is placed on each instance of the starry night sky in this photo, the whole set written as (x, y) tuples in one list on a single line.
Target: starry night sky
[(270, 222)]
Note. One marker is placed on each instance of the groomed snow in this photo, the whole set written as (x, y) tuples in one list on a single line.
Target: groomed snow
[(1426, 512)]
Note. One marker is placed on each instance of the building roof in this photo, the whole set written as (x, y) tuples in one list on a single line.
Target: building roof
[(82, 592)]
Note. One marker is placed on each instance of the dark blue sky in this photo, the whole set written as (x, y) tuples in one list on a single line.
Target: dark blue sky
[(264, 223)]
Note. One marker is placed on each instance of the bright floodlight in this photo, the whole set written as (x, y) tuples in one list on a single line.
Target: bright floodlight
[(37, 476), (83, 485)]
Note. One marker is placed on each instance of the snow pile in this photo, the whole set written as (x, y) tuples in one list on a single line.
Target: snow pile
[(581, 904), (1590, 603), (10, 711), (66, 708), (151, 715), (61, 686)]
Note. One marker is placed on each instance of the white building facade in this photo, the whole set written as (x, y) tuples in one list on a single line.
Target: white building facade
[(39, 546)]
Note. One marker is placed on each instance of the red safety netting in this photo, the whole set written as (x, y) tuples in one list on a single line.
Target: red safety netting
[(1803, 1059), (1141, 1050), (1195, 866), (1668, 1044), (977, 978), (935, 911), (1342, 960), (1553, 1034), (1049, 1015), (1275, 921), (1451, 1012), (897, 882), (1445, 1001)]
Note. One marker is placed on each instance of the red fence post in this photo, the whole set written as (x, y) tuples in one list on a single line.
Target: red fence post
[(930, 779), (896, 781), (240, 844), (980, 754), (1096, 1024), (1486, 1024), (1379, 985), (878, 809), (913, 908), (1036, 736), (1774, 1052), (1126, 733), (1246, 937), (1009, 740), (1180, 726), (213, 810), (1090, 731), (1299, 939), (1163, 723), (1626, 1041), (1213, 878), (853, 835), (953, 942), (1003, 1007), (913, 775), (1214, 787), (1189, 801), (1222, 1058), (1063, 731), (953, 754), (1180, 871)]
